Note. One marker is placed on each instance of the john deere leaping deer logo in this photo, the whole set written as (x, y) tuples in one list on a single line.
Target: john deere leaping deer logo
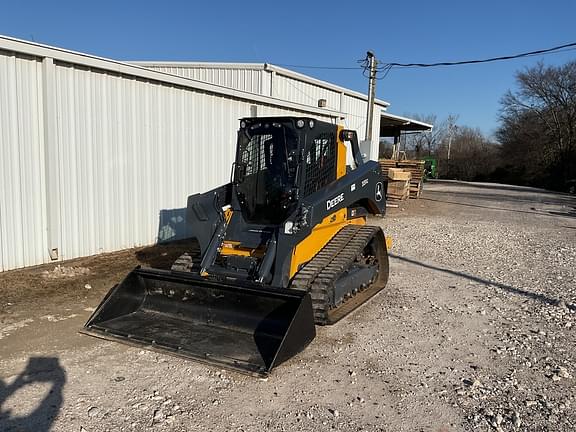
[(379, 192)]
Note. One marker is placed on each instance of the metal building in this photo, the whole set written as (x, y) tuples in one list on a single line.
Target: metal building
[(283, 84), (98, 155)]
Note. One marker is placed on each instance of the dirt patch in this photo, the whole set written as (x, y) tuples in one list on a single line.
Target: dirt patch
[(80, 283)]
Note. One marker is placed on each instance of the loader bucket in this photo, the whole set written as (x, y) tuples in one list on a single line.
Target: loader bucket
[(239, 326)]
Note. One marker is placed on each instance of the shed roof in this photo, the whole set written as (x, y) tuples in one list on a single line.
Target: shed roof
[(392, 125)]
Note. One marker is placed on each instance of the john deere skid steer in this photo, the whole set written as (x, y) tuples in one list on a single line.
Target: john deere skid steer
[(282, 247)]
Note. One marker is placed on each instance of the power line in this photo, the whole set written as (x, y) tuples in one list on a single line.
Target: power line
[(385, 67), (488, 60), (318, 67)]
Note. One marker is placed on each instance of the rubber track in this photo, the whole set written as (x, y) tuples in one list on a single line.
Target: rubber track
[(188, 261), (319, 275)]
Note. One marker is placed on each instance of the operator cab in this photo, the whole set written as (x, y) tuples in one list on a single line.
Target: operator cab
[(268, 174)]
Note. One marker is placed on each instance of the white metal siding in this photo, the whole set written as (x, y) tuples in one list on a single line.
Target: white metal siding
[(131, 149), (22, 193), (298, 91), (249, 80), (95, 159), (356, 110), (283, 85)]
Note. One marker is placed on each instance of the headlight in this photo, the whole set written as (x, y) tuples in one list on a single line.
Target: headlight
[(289, 227)]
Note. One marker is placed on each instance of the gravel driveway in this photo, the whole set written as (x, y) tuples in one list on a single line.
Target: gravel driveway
[(475, 331)]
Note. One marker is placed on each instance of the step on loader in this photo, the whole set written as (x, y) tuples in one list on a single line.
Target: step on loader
[(283, 247)]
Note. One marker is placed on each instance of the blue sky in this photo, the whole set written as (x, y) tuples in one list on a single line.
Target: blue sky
[(321, 33)]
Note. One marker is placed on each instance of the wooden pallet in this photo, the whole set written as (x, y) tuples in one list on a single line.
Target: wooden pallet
[(399, 174), (385, 164), (415, 189), (416, 169), (398, 190)]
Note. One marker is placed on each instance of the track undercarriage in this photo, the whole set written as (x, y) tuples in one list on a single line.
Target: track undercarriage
[(345, 273), (349, 270)]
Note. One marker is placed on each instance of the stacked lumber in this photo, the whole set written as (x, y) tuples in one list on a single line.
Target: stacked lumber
[(398, 174), (392, 169), (398, 184), (398, 190), (386, 164), (416, 169)]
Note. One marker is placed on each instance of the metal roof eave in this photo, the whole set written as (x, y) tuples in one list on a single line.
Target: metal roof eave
[(306, 78), (87, 60), (263, 66), (392, 125), (199, 65)]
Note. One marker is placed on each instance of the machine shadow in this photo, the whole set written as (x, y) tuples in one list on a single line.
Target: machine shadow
[(535, 199), (534, 296), (496, 186), (172, 225), (491, 197), (569, 213), (173, 240), (534, 212), (41, 418)]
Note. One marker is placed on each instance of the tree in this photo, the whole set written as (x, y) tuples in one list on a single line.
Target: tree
[(472, 155), (426, 143), (538, 125)]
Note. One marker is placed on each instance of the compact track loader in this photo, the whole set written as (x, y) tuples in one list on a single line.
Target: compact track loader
[(282, 247)]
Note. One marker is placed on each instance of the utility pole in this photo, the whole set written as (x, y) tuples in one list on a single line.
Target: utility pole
[(449, 140), (371, 94), (451, 127)]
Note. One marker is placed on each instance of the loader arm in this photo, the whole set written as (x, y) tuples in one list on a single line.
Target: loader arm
[(204, 214)]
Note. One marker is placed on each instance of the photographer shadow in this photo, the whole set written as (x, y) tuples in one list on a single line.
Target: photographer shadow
[(39, 370)]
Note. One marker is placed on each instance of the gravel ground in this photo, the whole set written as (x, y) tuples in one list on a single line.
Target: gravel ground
[(475, 332)]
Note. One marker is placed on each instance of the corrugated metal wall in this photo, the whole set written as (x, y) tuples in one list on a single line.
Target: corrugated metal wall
[(97, 159), (22, 187), (298, 91), (285, 85), (245, 79)]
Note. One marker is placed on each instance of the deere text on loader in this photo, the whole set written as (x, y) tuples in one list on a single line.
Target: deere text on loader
[(282, 247)]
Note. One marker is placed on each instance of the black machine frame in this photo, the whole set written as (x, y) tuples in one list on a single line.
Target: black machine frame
[(362, 188)]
